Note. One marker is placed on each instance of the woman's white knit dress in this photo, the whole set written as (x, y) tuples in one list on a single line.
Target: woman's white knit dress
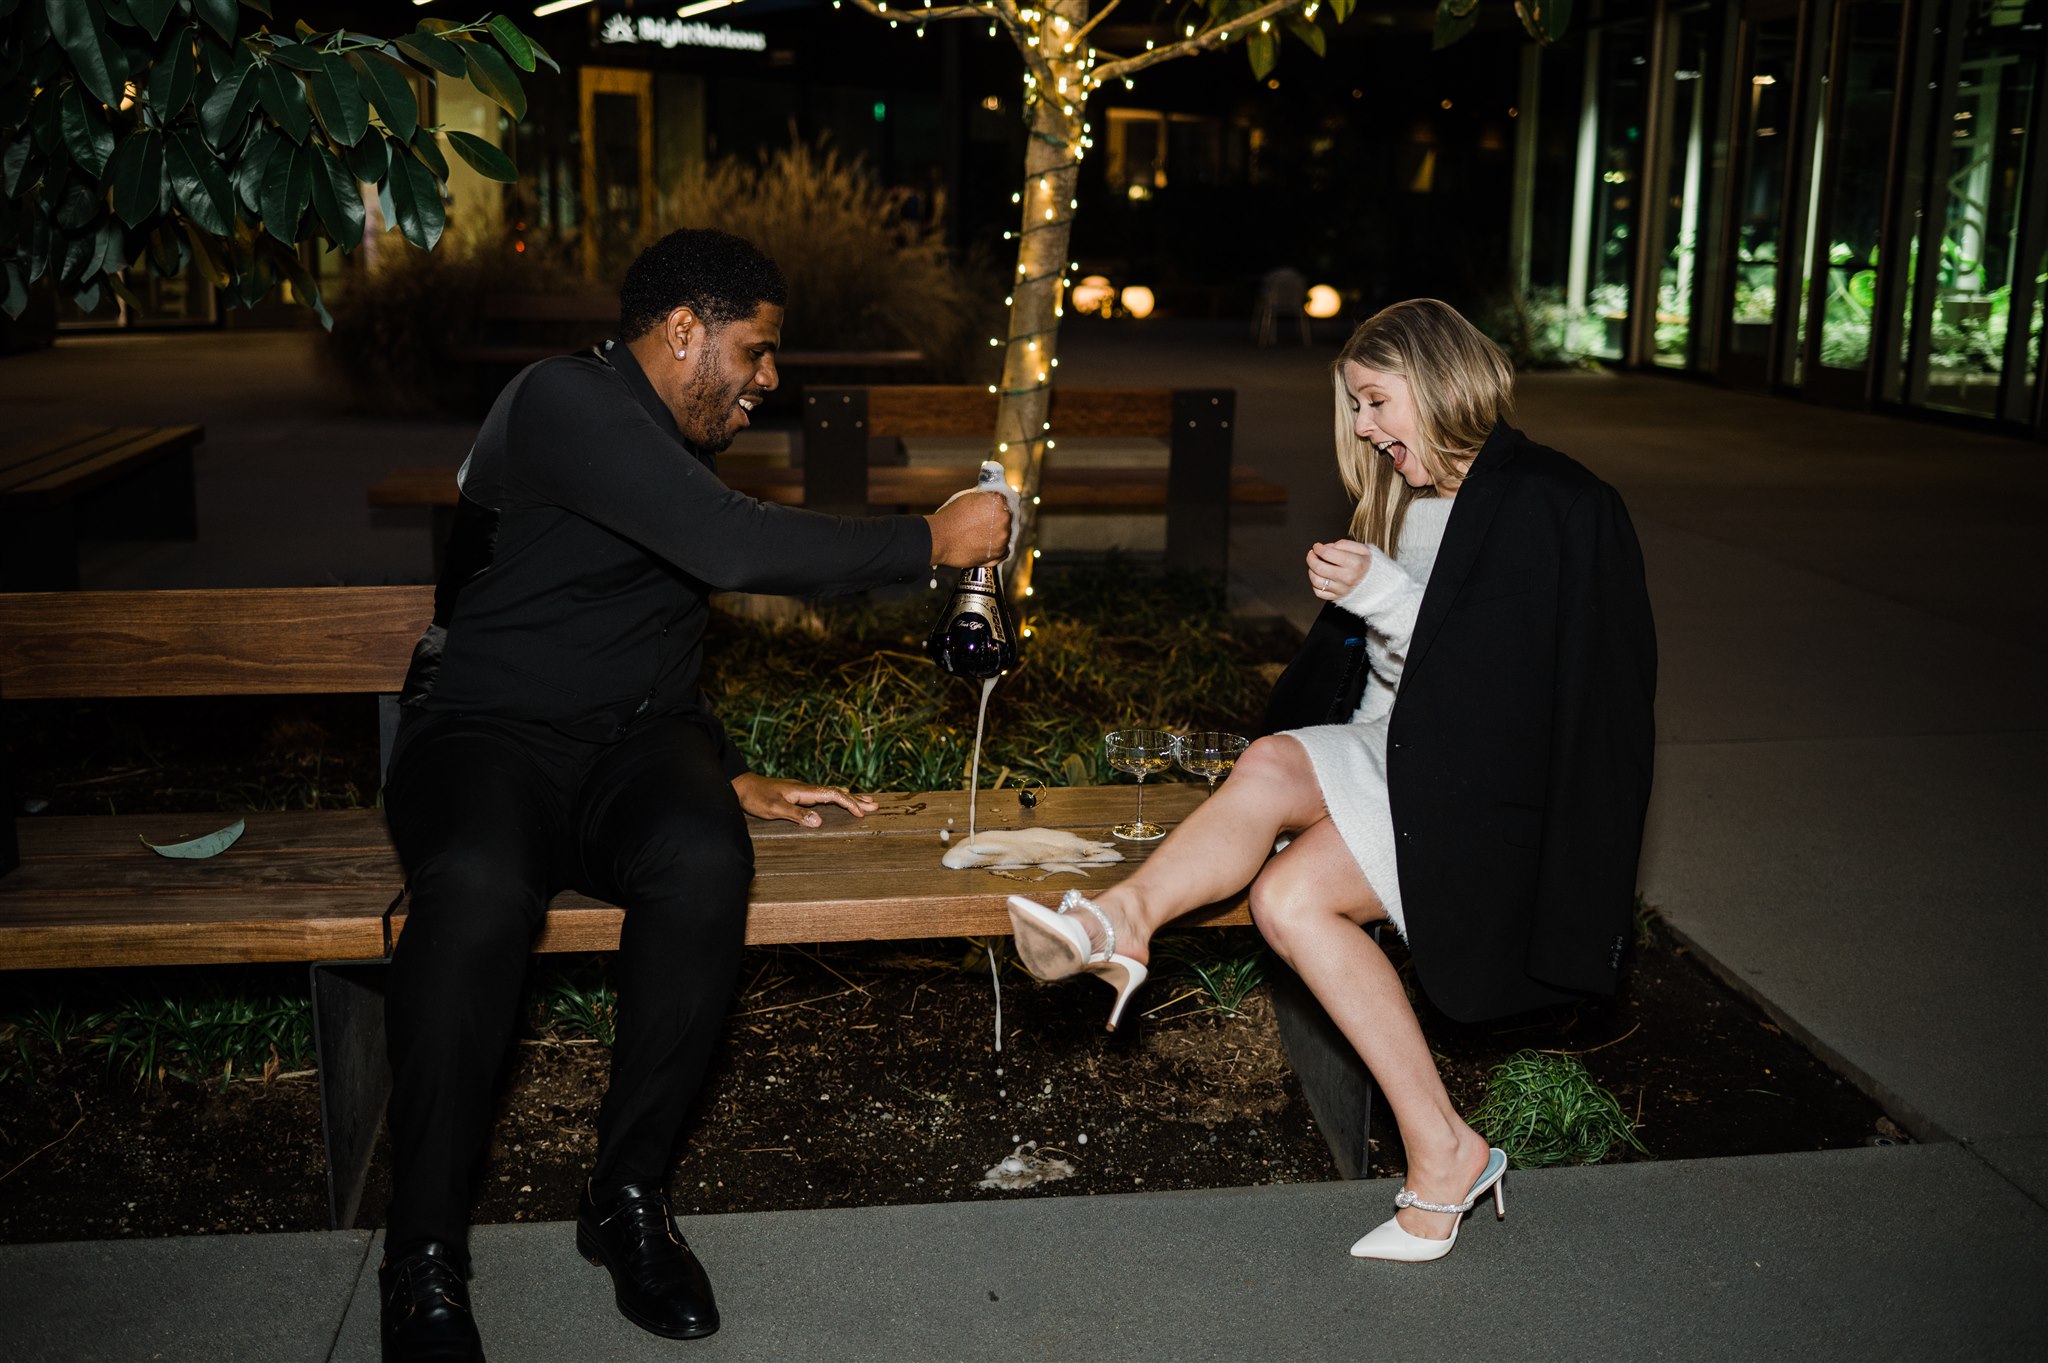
[(1350, 760)]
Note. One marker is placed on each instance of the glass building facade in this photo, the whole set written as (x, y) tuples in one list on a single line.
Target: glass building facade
[(1846, 200)]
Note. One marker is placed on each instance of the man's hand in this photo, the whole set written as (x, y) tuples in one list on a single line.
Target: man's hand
[(971, 531), (775, 797)]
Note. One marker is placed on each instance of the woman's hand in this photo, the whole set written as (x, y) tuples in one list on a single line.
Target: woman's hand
[(1335, 568), (776, 797)]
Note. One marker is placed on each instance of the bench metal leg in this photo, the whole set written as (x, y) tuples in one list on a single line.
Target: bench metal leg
[(835, 450), (1334, 1080), (154, 502), (1198, 480), (355, 1076), (39, 549)]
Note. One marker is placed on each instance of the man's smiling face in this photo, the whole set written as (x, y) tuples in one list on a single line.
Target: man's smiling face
[(730, 369)]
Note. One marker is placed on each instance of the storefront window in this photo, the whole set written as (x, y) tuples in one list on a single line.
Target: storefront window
[(1687, 177), (1618, 187), (1983, 179), (1863, 102), (1769, 131)]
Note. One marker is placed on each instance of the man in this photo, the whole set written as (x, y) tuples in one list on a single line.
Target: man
[(554, 736)]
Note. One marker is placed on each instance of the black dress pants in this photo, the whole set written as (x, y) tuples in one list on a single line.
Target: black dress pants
[(491, 818)]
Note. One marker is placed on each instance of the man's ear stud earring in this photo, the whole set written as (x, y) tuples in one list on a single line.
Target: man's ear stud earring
[(681, 353)]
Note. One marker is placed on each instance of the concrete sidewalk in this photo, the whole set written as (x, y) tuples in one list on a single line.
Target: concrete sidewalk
[(1852, 787), (1911, 1253)]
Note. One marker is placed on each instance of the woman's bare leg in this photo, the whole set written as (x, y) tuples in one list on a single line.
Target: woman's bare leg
[(1310, 903), (1216, 850)]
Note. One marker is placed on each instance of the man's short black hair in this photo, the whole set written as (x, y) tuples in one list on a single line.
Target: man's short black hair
[(720, 277)]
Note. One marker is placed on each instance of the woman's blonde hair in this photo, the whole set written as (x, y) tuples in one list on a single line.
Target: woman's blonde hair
[(1461, 385)]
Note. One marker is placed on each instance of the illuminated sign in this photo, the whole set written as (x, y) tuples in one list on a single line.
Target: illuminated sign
[(647, 30)]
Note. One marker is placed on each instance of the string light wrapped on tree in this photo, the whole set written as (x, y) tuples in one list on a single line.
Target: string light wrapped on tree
[(1062, 67)]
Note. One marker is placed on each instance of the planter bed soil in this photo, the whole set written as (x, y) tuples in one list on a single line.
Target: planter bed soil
[(865, 1074)]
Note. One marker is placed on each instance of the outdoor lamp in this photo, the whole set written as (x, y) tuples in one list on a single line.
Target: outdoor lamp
[(1137, 301), (1324, 301), (1093, 294)]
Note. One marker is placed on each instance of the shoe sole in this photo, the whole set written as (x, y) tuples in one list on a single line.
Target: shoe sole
[(587, 1246), (1046, 952)]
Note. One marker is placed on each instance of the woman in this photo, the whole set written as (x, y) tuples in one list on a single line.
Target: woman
[(1493, 814)]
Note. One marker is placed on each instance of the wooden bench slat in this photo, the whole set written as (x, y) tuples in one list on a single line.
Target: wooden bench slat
[(270, 641), (51, 460), (942, 410), (314, 884), (17, 453), (87, 466), (892, 485)]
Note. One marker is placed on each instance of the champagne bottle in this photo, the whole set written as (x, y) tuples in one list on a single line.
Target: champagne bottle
[(975, 635)]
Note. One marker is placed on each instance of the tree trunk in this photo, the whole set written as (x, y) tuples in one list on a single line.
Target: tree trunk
[(1038, 282)]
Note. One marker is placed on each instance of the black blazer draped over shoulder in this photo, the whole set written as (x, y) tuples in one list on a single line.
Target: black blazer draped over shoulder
[(1519, 749)]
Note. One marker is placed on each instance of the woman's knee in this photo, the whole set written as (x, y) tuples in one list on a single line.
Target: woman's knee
[(685, 861), (1274, 758), (1282, 905)]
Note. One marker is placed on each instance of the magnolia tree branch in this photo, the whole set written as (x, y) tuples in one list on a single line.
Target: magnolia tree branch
[(1099, 16), (1003, 12), (1208, 40)]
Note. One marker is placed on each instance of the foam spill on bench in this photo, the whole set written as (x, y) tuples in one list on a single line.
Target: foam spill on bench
[(1013, 849)]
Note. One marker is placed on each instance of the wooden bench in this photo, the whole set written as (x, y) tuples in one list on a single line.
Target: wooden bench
[(525, 328), (846, 428), (120, 482), (324, 887)]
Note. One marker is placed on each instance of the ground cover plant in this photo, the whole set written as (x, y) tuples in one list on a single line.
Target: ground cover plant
[(183, 1101)]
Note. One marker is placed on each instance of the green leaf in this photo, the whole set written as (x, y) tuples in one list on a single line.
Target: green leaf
[(81, 249), (1263, 51), (390, 89), (206, 254), (295, 55), (88, 298), (197, 180), (283, 97), (489, 74), (117, 10), (434, 51), (84, 134), (152, 15), (1452, 24), (75, 24), (1340, 10), (219, 16), (416, 202), (76, 207), (16, 297), (173, 78), (112, 251), (262, 7), (196, 849), (1545, 20), (233, 96), (485, 159), (429, 151), (287, 188), (336, 199), (253, 164), (12, 162), (16, 97), (338, 101), (120, 289), (138, 176), (1305, 30), (370, 160), (516, 44)]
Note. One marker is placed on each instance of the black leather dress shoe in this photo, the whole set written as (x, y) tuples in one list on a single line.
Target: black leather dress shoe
[(426, 1316), (659, 1284)]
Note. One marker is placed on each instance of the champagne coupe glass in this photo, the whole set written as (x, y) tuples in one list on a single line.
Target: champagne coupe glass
[(1210, 755), (1140, 752)]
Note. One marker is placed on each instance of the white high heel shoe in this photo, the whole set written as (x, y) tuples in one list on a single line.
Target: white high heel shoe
[(1390, 1241), (1054, 946)]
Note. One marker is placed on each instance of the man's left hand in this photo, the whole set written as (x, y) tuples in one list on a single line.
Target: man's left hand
[(776, 797)]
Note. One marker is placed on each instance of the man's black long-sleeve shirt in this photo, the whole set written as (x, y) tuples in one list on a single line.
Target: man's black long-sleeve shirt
[(587, 541)]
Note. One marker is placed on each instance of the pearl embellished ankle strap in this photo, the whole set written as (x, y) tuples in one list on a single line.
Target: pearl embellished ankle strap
[(1075, 899)]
